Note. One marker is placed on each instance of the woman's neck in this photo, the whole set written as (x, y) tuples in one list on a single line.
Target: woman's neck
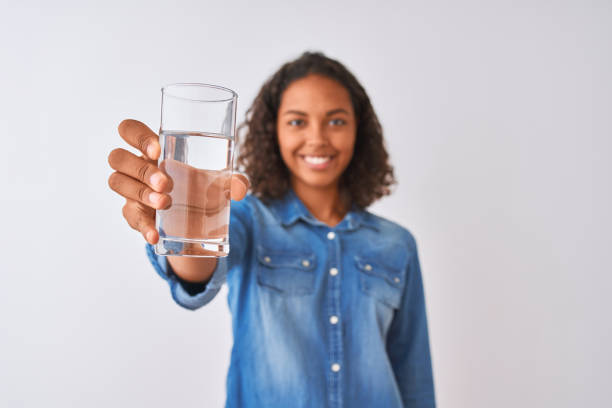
[(325, 204)]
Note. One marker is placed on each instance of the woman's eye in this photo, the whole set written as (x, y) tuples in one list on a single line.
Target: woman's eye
[(337, 122), (296, 122)]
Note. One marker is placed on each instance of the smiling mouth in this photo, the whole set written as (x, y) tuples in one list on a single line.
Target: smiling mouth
[(316, 159), (317, 162)]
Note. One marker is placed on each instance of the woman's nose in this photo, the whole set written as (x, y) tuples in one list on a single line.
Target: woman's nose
[(316, 135)]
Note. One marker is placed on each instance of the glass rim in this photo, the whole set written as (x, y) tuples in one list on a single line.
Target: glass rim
[(166, 91)]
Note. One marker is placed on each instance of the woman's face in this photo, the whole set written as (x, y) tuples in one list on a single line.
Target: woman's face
[(316, 129)]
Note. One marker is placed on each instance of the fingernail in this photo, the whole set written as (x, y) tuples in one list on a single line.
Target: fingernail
[(156, 180), (154, 197), (149, 236)]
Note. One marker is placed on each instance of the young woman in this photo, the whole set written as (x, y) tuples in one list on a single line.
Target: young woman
[(326, 298)]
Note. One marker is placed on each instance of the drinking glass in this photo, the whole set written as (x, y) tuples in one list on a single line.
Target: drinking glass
[(198, 125)]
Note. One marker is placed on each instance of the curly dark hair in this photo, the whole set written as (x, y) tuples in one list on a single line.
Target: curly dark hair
[(368, 176)]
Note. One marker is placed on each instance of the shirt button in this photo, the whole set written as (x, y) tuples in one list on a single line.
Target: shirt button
[(333, 319), (267, 259), (333, 271), (305, 262), (331, 235), (335, 367), (396, 280), (368, 267)]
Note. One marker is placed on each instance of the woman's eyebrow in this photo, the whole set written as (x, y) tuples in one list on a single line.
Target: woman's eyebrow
[(294, 112), (334, 111), (329, 113)]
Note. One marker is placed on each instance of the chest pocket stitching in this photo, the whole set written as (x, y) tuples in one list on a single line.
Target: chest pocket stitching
[(286, 273), (380, 281)]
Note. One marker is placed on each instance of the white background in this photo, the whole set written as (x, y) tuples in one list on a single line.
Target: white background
[(498, 119)]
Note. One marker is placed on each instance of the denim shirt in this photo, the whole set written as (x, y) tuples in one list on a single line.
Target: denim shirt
[(322, 316)]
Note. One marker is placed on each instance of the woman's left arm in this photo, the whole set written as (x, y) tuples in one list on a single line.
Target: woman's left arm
[(408, 341)]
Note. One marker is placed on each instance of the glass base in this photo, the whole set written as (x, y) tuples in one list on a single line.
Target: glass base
[(204, 248)]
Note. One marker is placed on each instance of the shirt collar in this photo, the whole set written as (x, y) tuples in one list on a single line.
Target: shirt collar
[(290, 209)]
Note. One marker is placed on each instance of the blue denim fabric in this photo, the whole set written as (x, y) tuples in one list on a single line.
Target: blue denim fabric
[(322, 316)]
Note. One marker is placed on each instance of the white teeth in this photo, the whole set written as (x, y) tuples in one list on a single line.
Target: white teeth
[(316, 159)]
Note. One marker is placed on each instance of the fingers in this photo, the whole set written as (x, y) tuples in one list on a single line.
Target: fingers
[(137, 178), (239, 186), (140, 169), (137, 191), (141, 218), (141, 137)]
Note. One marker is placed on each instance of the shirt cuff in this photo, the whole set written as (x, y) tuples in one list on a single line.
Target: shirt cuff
[(179, 294)]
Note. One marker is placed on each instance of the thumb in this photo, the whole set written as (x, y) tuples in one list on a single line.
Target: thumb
[(239, 186)]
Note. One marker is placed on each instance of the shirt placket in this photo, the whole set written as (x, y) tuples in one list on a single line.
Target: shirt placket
[(334, 321)]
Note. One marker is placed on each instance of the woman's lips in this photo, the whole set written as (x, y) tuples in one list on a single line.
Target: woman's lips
[(317, 162)]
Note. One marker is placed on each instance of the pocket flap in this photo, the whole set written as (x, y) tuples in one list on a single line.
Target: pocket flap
[(284, 259), (395, 277), (286, 272)]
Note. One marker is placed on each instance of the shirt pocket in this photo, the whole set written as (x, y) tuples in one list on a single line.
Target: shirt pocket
[(379, 281), (286, 272)]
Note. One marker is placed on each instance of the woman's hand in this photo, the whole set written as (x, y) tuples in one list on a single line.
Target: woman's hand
[(143, 184)]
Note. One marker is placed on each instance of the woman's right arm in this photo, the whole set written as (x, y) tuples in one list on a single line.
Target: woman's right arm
[(145, 188)]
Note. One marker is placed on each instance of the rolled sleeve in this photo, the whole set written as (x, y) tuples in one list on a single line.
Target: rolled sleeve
[(179, 293)]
